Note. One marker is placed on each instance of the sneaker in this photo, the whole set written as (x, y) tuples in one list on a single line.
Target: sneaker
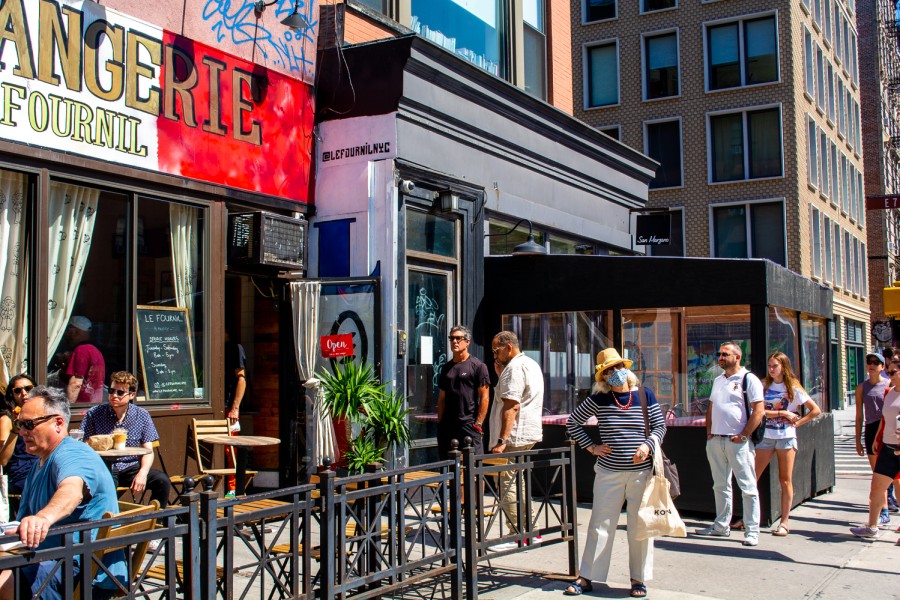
[(751, 540), (504, 546), (712, 531), (229, 494), (865, 532), (535, 540), (892, 505), (154, 545), (884, 519)]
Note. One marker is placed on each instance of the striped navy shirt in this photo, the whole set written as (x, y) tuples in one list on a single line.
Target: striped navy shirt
[(621, 429)]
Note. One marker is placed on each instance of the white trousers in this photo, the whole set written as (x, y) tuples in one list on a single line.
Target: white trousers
[(726, 457), (611, 489)]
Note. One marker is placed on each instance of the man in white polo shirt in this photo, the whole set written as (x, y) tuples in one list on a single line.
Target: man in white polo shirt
[(516, 413), (728, 446)]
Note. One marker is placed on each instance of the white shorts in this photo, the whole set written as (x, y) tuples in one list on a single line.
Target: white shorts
[(777, 444)]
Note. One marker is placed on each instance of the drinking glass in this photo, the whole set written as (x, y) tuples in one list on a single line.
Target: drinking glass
[(76, 434)]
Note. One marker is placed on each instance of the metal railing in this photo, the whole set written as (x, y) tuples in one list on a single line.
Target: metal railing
[(342, 537)]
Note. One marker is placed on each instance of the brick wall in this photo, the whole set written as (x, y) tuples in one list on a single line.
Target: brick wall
[(559, 66)]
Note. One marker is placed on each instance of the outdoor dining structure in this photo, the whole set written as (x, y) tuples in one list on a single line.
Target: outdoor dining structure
[(669, 316)]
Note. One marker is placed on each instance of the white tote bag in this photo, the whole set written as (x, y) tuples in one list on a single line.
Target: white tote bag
[(657, 515), (4, 497)]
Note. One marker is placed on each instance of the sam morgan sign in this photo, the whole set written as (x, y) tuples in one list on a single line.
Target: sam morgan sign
[(80, 78)]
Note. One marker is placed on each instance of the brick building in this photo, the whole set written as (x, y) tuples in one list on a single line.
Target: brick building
[(879, 76), (753, 110)]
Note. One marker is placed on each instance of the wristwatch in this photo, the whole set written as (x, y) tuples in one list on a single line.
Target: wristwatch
[(502, 442), (743, 437)]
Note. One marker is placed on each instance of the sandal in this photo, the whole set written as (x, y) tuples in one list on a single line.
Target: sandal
[(737, 525), (781, 531), (578, 587), (638, 590)]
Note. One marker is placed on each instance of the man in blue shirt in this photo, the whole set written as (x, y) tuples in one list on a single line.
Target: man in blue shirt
[(68, 484), (132, 471)]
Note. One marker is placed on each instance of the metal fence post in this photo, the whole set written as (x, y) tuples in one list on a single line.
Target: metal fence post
[(456, 520), (469, 502), (572, 509), (190, 547), (209, 525), (328, 549)]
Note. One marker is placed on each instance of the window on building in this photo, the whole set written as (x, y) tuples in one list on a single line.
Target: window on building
[(746, 145), (846, 199), (861, 205), (824, 176), (841, 116), (822, 87), (806, 6), (816, 236), (676, 247), (864, 261), (663, 144), (475, 30), (826, 10), (613, 131), (809, 61), (742, 53), (817, 13), (376, 5), (651, 5), (835, 178), (826, 228), (838, 38), (830, 82), (603, 74), (535, 48), (753, 230), (661, 65), (812, 157), (848, 263), (838, 265), (598, 10)]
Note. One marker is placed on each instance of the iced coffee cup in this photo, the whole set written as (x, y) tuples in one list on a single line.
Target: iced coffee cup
[(120, 436)]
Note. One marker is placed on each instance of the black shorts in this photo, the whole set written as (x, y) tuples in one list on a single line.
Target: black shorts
[(888, 463), (869, 434), (447, 434)]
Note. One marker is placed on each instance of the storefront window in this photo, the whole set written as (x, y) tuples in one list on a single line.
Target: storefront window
[(15, 295), (855, 352), (430, 233), (472, 29), (814, 352), (652, 339), (565, 345), (95, 238), (783, 333), (708, 327), (501, 241)]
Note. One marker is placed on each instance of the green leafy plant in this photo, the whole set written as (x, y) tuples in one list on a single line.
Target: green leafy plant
[(354, 392)]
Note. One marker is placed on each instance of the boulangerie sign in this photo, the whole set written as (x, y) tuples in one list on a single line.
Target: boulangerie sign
[(78, 77), (336, 346)]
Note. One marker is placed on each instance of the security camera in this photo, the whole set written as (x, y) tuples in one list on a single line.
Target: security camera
[(407, 186)]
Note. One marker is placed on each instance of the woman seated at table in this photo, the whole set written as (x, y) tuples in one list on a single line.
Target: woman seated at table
[(131, 471), (15, 461)]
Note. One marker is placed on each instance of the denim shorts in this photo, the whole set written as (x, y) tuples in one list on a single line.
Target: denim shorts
[(777, 444)]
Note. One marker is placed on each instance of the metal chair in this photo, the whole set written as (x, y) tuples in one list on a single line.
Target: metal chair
[(203, 452)]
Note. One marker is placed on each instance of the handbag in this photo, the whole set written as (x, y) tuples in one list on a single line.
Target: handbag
[(669, 469), (757, 435), (657, 515), (4, 497)]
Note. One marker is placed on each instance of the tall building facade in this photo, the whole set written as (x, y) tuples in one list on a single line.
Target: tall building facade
[(752, 109), (879, 75)]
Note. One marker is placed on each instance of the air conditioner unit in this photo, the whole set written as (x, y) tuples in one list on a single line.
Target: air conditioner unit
[(267, 239)]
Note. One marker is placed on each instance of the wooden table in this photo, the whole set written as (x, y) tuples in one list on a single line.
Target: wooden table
[(242, 443), (113, 453)]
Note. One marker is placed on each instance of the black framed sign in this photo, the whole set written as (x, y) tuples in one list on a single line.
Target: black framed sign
[(167, 352)]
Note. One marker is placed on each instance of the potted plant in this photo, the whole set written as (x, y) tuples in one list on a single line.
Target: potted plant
[(377, 415)]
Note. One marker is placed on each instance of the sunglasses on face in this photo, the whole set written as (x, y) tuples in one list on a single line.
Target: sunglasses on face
[(24, 388), (721, 354), (30, 424), (458, 338), (613, 368), (119, 393), (892, 373), (873, 362)]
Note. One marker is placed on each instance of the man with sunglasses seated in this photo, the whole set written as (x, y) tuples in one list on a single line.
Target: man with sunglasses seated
[(68, 484), (131, 471)]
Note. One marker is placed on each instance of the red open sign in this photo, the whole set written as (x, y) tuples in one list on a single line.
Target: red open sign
[(335, 346)]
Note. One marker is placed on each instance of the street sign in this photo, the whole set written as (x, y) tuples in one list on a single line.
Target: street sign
[(882, 202)]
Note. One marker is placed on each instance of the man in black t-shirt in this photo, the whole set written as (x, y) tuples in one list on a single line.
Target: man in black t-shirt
[(235, 387), (463, 399)]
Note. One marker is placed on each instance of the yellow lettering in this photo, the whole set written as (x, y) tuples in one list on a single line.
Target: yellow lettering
[(82, 119), (120, 141), (52, 36), (137, 70), (239, 106), (13, 29), (133, 136), (38, 113), (115, 67), (9, 104), (105, 128), (182, 88), (214, 124), (55, 103)]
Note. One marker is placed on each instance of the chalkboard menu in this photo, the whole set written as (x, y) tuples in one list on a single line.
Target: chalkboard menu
[(167, 353)]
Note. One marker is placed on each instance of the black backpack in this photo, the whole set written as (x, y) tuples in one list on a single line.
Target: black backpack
[(760, 432)]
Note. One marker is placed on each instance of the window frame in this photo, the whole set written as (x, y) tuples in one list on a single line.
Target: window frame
[(645, 62), (617, 127), (680, 122), (812, 153), (744, 112), (809, 65), (742, 59), (828, 264), (815, 235), (747, 204), (643, 11), (584, 13), (586, 50)]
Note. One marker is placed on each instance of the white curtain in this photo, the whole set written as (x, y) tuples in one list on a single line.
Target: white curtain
[(73, 211), (13, 308), (185, 249), (305, 299)]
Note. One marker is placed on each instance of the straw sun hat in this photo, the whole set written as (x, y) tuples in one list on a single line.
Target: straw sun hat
[(609, 358)]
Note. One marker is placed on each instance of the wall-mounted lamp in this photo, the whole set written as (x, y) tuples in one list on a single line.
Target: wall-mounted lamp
[(527, 247), (294, 20), (448, 201)]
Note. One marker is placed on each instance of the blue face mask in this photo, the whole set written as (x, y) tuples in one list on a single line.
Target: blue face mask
[(618, 378)]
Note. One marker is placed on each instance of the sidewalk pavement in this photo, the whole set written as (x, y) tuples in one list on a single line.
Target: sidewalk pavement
[(819, 559)]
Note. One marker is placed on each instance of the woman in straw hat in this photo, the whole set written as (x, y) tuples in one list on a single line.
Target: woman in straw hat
[(624, 461)]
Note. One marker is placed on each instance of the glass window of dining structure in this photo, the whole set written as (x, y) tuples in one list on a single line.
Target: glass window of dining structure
[(106, 251), (503, 240)]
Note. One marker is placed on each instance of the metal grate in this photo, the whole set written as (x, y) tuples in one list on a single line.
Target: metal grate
[(261, 238)]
